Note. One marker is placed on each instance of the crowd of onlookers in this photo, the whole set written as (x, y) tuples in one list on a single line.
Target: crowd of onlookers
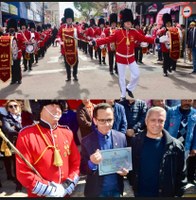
[(129, 118)]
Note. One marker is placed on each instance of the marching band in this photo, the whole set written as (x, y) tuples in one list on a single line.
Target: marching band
[(120, 43)]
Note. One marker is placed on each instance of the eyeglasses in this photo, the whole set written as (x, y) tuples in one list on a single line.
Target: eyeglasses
[(13, 106), (103, 121)]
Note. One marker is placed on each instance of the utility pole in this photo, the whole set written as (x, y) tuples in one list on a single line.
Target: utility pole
[(43, 13), (1, 22)]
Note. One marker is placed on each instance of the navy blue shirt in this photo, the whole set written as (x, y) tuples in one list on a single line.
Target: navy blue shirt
[(151, 156)]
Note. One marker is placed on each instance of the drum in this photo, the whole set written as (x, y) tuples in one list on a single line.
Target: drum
[(30, 48), (14, 48), (144, 46)]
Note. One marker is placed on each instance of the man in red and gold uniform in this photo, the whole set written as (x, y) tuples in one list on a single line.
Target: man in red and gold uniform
[(68, 35), (113, 18), (51, 150), (170, 44), (27, 36), (90, 34), (16, 68), (100, 33), (124, 39)]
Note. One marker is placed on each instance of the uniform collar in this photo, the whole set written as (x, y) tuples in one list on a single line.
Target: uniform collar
[(46, 124)]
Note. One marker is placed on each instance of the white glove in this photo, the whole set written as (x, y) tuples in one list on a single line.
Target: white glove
[(58, 192), (163, 39)]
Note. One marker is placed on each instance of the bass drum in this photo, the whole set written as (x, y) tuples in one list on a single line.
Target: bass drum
[(14, 48)]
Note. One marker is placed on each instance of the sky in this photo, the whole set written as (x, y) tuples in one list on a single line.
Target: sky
[(64, 5)]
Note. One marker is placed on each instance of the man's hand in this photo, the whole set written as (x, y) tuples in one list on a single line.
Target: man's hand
[(123, 172), (96, 157), (92, 43), (130, 133)]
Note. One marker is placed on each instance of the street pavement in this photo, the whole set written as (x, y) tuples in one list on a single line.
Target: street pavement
[(47, 80), (8, 187)]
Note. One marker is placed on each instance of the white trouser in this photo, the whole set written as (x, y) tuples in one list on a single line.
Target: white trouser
[(134, 77)]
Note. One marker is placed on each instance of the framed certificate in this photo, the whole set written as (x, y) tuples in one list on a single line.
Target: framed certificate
[(114, 160)]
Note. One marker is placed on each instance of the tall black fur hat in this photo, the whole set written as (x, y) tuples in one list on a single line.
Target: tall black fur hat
[(12, 23), (126, 15), (32, 25), (113, 18), (39, 28), (101, 21), (22, 22), (92, 22), (43, 103), (166, 18), (69, 13), (136, 22)]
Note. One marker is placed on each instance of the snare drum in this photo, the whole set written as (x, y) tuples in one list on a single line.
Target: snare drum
[(30, 48), (144, 46)]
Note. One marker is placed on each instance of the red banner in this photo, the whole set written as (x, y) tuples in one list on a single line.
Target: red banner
[(5, 58), (174, 43), (70, 46)]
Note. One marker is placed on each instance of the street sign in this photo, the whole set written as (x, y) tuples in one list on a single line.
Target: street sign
[(187, 11)]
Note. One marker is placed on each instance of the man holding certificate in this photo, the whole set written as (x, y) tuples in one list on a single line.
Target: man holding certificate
[(102, 138)]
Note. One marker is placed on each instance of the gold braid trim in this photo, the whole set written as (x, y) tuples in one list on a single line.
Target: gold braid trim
[(57, 157)]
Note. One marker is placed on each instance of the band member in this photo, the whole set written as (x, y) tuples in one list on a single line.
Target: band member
[(68, 35), (112, 47), (170, 45), (124, 39), (52, 153), (27, 35), (16, 69), (90, 36), (35, 37)]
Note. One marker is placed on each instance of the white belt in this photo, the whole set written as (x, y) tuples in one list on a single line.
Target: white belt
[(124, 56)]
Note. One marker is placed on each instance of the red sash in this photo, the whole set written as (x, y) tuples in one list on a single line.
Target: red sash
[(174, 43), (69, 46), (5, 58)]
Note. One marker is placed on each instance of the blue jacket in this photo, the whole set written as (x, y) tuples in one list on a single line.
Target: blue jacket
[(120, 121), (89, 145), (172, 125)]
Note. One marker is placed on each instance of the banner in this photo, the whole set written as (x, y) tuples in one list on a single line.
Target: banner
[(174, 43), (5, 58)]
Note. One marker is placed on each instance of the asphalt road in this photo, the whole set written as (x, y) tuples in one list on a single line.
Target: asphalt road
[(47, 81)]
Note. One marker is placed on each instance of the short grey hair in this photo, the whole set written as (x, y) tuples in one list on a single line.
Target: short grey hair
[(155, 109)]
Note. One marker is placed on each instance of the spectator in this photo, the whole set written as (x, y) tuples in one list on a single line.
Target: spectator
[(158, 159)]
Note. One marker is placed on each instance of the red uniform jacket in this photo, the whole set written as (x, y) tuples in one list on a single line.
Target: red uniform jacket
[(33, 147), (90, 33), (27, 36), (125, 43), (109, 31)]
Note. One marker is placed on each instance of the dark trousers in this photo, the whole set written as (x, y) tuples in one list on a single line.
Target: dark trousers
[(168, 63), (138, 54), (16, 71), (99, 54), (90, 50), (111, 56), (160, 55), (68, 69), (191, 168), (27, 62)]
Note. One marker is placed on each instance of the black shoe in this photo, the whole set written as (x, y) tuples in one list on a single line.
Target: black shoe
[(13, 82), (18, 188), (122, 99), (24, 70), (19, 82), (68, 79), (130, 93), (112, 73), (165, 75), (75, 78), (0, 185), (170, 70), (99, 63)]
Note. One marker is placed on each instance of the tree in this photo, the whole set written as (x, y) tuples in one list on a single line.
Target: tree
[(87, 9)]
